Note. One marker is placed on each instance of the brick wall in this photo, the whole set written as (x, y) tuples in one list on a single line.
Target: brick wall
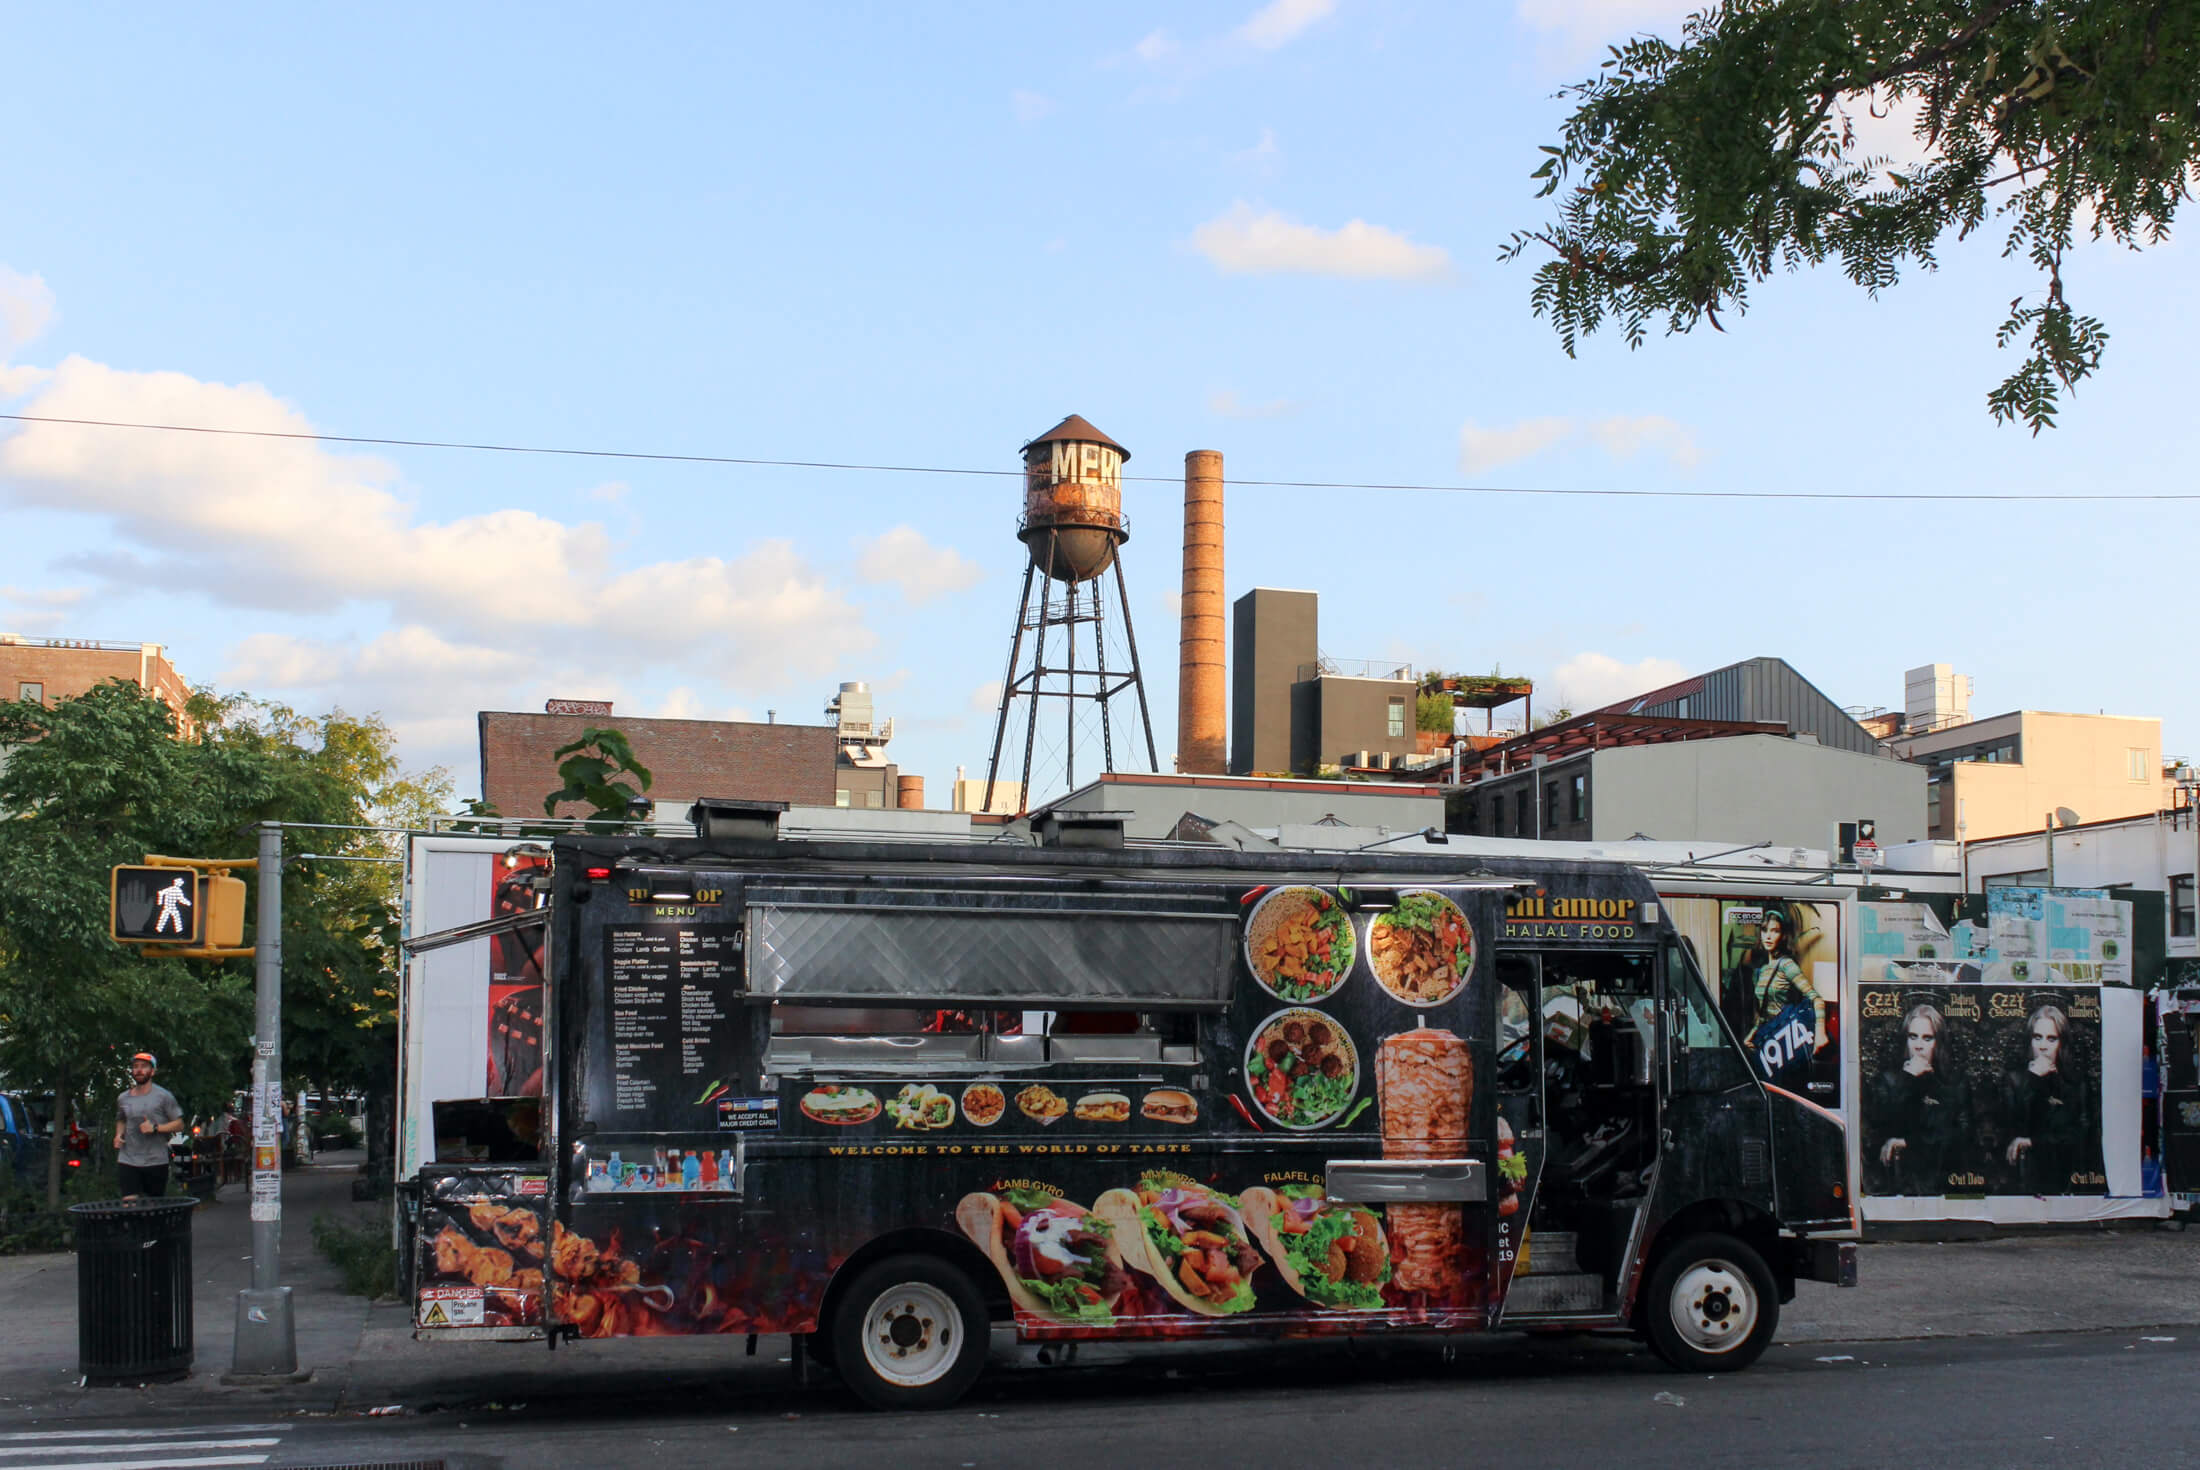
[(687, 758), (66, 673)]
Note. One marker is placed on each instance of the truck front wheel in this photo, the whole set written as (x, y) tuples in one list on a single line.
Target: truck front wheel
[(910, 1333), (1712, 1305)]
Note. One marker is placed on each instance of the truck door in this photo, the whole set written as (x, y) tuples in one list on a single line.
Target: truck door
[(1716, 1142)]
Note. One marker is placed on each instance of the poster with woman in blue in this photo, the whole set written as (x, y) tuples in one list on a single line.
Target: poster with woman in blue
[(1784, 958)]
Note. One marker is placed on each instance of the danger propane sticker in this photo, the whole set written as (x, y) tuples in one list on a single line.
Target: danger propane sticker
[(451, 1306)]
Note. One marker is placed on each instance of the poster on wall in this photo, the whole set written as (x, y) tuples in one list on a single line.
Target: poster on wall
[(1780, 986), (516, 987), (1973, 1089)]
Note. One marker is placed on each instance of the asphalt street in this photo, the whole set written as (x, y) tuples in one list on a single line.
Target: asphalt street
[(2063, 1399)]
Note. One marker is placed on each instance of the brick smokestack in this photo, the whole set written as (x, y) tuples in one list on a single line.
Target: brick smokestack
[(909, 793), (1200, 746)]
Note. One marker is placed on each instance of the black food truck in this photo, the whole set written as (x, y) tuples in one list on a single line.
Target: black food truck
[(884, 1095)]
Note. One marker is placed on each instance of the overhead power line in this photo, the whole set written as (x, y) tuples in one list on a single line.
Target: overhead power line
[(2001, 496)]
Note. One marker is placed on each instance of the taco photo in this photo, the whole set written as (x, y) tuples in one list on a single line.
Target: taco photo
[(1189, 1239), (1334, 1255), (1059, 1260), (1299, 943), (1421, 948)]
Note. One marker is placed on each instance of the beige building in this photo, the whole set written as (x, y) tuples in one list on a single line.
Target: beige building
[(2008, 773), (968, 795), (51, 669)]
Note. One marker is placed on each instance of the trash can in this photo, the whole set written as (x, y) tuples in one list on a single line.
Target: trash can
[(133, 1289)]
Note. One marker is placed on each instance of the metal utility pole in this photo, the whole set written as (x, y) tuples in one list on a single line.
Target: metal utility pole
[(267, 1334)]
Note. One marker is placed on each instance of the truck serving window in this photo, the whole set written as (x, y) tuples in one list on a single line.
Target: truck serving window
[(945, 955)]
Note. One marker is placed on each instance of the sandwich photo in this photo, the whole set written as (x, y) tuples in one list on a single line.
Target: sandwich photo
[(1059, 1260), (1334, 1255), (1191, 1240), (840, 1105), (1169, 1105), (1103, 1107)]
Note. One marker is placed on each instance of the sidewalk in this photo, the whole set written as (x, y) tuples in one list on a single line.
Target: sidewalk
[(364, 1357)]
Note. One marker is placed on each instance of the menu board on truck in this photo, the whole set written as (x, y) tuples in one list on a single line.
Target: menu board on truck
[(669, 1025)]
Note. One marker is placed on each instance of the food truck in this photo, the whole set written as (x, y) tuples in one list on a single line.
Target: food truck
[(885, 1096)]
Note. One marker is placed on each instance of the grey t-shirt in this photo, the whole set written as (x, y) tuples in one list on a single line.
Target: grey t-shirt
[(156, 1106)]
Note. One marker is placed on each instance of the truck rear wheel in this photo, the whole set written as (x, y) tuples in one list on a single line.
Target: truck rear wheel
[(1712, 1305), (910, 1333)]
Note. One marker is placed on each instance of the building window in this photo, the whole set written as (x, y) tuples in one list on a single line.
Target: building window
[(871, 798), (1934, 785), (1577, 790), (1397, 719), (1470, 816), (1520, 812), (29, 692), (2135, 763), (840, 798), (2181, 916), (1550, 808)]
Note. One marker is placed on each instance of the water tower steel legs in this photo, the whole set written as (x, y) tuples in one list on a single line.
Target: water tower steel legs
[(1138, 680), (1038, 675), (1008, 685), (1031, 683)]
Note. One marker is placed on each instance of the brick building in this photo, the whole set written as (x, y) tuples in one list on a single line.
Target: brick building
[(686, 758), (50, 669)]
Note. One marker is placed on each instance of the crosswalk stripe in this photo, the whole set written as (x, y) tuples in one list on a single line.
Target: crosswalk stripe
[(189, 1462), (24, 1452), (204, 1429)]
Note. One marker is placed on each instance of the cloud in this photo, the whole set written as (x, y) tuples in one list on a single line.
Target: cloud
[(1590, 681), (1243, 242), (1280, 22), (1483, 449), (1263, 157), (903, 558), (26, 309), (1574, 27), (1029, 107), (986, 698), (1224, 403), (1621, 437), (1155, 47), (681, 702), (44, 596), (1624, 438), (610, 492), (289, 526)]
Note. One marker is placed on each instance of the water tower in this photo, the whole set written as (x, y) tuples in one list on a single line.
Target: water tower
[(1074, 529)]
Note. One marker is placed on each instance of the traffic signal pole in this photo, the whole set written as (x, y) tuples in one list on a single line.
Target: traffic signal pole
[(267, 1334)]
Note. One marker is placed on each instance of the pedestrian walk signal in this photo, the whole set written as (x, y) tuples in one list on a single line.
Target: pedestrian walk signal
[(157, 905)]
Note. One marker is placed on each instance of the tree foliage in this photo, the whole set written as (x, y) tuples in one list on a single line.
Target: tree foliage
[(599, 768), (112, 776), (1691, 172)]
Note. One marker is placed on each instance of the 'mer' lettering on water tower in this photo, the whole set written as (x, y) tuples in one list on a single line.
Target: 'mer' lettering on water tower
[(1092, 463)]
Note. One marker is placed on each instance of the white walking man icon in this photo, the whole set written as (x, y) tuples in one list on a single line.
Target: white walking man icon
[(173, 901)]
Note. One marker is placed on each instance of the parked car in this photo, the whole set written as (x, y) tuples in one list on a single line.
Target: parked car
[(23, 1139)]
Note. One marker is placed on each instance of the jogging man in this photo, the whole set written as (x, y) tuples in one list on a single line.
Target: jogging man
[(145, 1115)]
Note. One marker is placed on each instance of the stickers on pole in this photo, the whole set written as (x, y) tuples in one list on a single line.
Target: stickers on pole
[(267, 1196)]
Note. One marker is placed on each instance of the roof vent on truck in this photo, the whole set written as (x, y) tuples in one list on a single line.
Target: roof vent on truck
[(724, 818), (1080, 829)]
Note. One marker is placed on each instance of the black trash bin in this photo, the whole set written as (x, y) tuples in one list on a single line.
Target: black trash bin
[(133, 1289)]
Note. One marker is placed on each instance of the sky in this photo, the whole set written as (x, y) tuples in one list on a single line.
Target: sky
[(920, 236)]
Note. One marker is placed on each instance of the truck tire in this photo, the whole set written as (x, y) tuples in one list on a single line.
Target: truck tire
[(910, 1333), (1711, 1305)]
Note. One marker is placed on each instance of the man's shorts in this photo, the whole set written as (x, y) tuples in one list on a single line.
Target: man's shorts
[(149, 1180)]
